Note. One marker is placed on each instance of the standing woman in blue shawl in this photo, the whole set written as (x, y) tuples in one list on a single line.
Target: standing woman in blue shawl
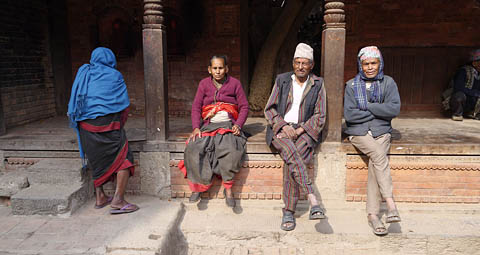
[(98, 110), (371, 102)]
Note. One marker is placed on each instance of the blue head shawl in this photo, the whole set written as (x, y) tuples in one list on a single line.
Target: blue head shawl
[(359, 87), (98, 90)]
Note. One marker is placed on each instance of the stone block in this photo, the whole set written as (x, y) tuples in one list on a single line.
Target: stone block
[(50, 199), (56, 171), (155, 174), (12, 182), (330, 171)]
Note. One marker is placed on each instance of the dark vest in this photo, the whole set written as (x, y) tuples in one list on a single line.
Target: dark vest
[(284, 83)]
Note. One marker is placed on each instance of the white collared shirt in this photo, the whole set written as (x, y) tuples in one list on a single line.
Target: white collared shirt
[(292, 115)]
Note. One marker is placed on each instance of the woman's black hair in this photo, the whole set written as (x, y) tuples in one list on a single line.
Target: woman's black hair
[(218, 56)]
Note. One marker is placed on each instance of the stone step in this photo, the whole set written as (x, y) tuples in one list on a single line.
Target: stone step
[(253, 227), (51, 199), (56, 171), (12, 182)]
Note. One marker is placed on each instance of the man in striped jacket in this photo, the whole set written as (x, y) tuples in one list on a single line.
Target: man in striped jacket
[(295, 113)]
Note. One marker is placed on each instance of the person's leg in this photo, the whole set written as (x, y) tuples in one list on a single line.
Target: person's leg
[(290, 191), (457, 104), (374, 198), (100, 197), (369, 146), (227, 160), (296, 167), (385, 176), (305, 149), (376, 150), (198, 167), (119, 197), (290, 196)]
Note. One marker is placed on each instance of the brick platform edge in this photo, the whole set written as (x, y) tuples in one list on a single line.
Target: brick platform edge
[(421, 179), (256, 180)]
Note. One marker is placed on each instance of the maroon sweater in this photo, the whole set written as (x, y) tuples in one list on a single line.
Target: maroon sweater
[(230, 92)]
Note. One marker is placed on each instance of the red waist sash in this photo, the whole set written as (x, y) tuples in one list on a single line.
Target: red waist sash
[(210, 110)]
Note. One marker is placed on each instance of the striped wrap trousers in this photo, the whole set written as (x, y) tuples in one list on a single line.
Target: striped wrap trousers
[(295, 154)]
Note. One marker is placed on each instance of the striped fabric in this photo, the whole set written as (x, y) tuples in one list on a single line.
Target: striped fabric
[(313, 125), (295, 154)]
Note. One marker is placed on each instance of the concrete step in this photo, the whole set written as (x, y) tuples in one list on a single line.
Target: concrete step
[(51, 199), (56, 171), (253, 227)]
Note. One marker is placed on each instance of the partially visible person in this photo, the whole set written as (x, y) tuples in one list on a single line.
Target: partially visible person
[(295, 113), (465, 99), (371, 102), (98, 110), (216, 145)]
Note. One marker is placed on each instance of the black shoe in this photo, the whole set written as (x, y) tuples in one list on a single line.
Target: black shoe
[(230, 201), (195, 197)]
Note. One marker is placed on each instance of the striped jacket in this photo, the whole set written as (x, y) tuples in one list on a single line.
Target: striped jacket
[(312, 107)]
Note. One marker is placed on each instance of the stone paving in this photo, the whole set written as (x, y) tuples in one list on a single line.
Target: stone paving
[(89, 231), (209, 227), (253, 227)]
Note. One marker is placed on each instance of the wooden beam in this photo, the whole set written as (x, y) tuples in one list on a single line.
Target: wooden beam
[(155, 71), (244, 69), (332, 67)]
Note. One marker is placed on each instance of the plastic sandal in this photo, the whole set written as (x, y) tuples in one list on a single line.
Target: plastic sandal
[(378, 228), (316, 213), (393, 216), (288, 218)]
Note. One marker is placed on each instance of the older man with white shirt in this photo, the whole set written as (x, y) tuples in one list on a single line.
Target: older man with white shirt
[(295, 113)]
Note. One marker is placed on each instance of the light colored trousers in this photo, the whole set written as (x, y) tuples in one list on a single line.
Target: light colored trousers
[(379, 178)]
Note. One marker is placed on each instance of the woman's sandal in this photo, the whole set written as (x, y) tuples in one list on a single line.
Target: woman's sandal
[(393, 216), (377, 226), (288, 221), (316, 213)]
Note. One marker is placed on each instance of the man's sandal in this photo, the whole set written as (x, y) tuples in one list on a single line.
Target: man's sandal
[(393, 216), (288, 221), (316, 213), (377, 226)]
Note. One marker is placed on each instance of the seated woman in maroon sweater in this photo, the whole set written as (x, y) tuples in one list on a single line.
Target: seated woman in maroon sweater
[(217, 145)]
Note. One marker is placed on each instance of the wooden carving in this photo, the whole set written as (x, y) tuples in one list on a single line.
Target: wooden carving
[(334, 14), (153, 15)]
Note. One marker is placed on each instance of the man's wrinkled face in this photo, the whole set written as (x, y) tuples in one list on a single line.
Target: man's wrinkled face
[(370, 67), (302, 67), (218, 69), (476, 64)]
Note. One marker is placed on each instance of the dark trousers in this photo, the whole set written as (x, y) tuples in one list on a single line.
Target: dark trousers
[(462, 104)]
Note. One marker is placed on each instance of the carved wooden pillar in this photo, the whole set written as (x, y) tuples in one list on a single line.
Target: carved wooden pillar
[(155, 71), (333, 59)]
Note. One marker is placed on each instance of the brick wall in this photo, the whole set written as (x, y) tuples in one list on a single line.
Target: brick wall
[(83, 17), (421, 179), (184, 70), (26, 83), (410, 23), (256, 180)]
